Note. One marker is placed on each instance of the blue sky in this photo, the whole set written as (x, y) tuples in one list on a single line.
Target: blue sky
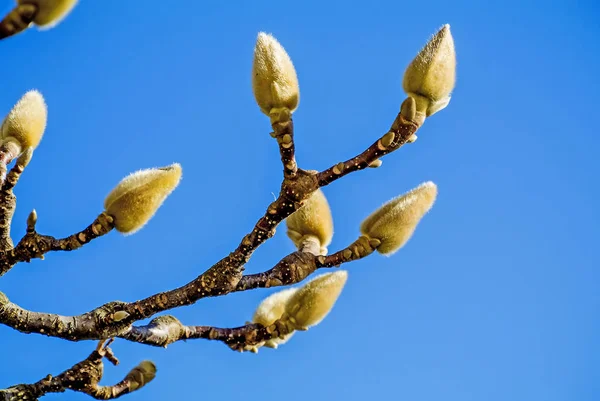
[(496, 297)]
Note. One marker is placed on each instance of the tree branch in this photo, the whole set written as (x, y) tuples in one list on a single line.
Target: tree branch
[(400, 133), (8, 201), (17, 20), (298, 265), (283, 131), (84, 378), (165, 330), (115, 318), (34, 245)]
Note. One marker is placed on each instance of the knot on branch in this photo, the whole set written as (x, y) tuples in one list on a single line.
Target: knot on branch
[(292, 269), (299, 188), (165, 330), (109, 320)]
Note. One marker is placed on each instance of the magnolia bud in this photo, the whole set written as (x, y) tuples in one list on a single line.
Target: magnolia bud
[(133, 202), (311, 303), (50, 12), (430, 77), (272, 309), (312, 220), (394, 223), (141, 375), (25, 123), (274, 79)]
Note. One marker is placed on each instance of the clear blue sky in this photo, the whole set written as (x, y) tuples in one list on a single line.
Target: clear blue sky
[(496, 297)]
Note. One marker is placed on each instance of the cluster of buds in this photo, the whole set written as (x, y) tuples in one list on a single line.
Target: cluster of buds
[(428, 82)]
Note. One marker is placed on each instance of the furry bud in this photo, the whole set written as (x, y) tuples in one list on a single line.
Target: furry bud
[(274, 79), (311, 303), (25, 123), (141, 375), (133, 202), (50, 12), (272, 309), (395, 222), (430, 77), (312, 220)]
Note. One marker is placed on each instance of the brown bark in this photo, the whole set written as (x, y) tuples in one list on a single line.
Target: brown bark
[(83, 377)]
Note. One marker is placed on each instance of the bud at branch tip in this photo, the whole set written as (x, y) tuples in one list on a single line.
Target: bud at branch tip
[(274, 80)]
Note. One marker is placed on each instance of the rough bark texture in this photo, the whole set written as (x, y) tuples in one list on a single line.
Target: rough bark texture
[(83, 377)]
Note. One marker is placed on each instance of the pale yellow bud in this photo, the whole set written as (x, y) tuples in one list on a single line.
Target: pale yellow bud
[(133, 202), (274, 79), (395, 222), (50, 12), (272, 309), (141, 375), (312, 220), (311, 303), (430, 77), (25, 123)]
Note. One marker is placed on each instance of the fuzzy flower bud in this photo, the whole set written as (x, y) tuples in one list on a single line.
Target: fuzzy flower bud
[(312, 221), (311, 303), (141, 375), (50, 12), (272, 309), (430, 77), (395, 222), (25, 123), (274, 79), (133, 202)]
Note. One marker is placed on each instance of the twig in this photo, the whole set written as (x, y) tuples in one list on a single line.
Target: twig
[(84, 378)]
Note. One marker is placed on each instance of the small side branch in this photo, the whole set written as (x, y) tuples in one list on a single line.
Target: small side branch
[(399, 134), (34, 245), (298, 265), (84, 378), (8, 201), (223, 277), (283, 131), (165, 330)]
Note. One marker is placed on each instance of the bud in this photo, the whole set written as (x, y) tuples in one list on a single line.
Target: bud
[(50, 12), (272, 309), (312, 220), (141, 375), (394, 223), (133, 202), (120, 315), (274, 79), (25, 123), (311, 303), (430, 77)]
